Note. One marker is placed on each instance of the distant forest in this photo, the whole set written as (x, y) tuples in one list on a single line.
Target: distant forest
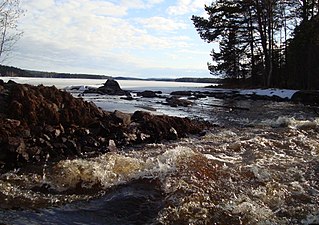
[(266, 43), (10, 71)]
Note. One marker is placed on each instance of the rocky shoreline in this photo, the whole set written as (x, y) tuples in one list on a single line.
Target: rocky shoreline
[(39, 123), (185, 98)]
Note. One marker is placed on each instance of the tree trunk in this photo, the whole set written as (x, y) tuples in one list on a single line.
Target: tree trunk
[(251, 40), (4, 33)]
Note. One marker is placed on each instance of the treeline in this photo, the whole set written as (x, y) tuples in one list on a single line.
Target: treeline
[(198, 80), (267, 43), (10, 71), (66, 75)]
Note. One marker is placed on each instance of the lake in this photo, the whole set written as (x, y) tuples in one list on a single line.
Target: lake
[(255, 166)]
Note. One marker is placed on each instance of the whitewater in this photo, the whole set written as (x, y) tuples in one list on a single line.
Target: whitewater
[(255, 166)]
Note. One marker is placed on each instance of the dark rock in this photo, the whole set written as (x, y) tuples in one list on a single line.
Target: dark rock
[(140, 116), (99, 129), (147, 94), (111, 87), (306, 97)]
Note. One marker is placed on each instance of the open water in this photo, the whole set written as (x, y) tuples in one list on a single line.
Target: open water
[(256, 166)]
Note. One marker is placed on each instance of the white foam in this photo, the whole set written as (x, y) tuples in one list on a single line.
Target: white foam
[(114, 169), (291, 122), (223, 158)]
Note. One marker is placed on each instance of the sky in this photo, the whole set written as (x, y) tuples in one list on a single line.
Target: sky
[(132, 38)]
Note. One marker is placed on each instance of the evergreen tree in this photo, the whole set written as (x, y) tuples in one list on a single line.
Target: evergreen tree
[(303, 56), (227, 23), (256, 30)]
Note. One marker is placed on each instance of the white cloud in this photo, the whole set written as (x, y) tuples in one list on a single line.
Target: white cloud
[(162, 23), (101, 35), (140, 4), (187, 6)]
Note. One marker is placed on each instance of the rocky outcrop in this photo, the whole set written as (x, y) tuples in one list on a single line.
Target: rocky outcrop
[(110, 87), (41, 123)]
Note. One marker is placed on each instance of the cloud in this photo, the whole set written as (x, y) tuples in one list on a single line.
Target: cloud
[(187, 6), (93, 36), (140, 4), (162, 24)]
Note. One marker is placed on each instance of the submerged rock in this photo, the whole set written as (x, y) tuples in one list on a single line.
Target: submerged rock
[(148, 94)]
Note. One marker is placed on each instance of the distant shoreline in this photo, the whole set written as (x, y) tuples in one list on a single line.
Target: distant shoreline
[(8, 71)]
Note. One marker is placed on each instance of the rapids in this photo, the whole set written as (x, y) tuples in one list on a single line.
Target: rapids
[(254, 167)]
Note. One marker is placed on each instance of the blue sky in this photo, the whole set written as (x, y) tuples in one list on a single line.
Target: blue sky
[(134, 38)]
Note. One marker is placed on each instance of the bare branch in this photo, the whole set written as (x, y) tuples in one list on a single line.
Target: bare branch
[(10, 12)]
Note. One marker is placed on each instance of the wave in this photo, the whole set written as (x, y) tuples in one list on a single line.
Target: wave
[(113, 169)]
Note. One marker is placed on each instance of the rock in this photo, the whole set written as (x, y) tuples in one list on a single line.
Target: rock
[(17, 144), (174, 134), (306, 97), (111, 87), (140, 116), (175, 101), (156, 128), (39, 121), (112, 146), (147, 94), (182, 93), (124, 118)]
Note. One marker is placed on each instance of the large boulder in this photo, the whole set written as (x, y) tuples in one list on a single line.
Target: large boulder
[(306, 97), (111, 87)]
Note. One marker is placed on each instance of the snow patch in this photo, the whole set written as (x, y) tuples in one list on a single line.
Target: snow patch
[(283, 93)]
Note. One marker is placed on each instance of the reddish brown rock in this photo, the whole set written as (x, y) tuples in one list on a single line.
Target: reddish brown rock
[(41, 123), (163, 127)]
